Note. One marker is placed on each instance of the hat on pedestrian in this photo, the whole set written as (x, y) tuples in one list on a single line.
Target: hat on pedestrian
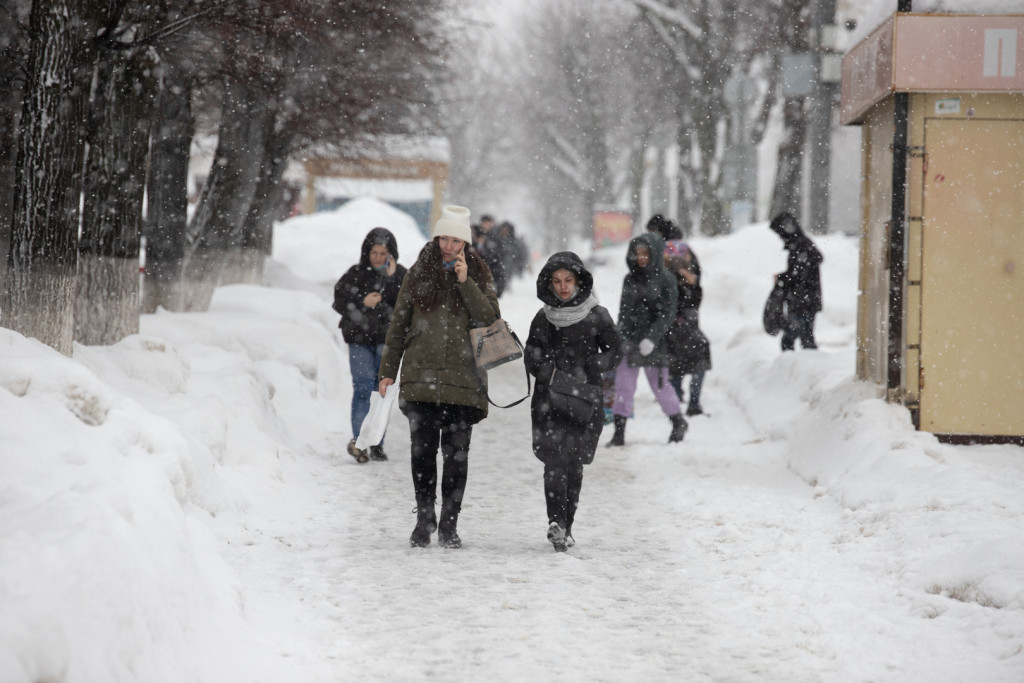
[(454, 222)]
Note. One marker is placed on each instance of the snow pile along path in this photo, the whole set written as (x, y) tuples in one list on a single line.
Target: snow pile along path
[(179, 506)]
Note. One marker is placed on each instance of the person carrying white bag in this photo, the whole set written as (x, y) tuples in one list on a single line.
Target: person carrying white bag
[(375, 424), (365, 298)]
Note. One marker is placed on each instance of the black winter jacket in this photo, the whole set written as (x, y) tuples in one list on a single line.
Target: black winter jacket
[(802, 280), (689, 350), (359, 324), (650, 296), (585, 349)]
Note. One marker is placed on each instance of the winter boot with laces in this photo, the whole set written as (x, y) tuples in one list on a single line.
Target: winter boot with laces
[(447, 537), (619, 438), (426, 524), (679, 428)]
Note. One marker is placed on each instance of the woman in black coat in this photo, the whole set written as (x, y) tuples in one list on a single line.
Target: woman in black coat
[(365, 297), (573, 334), (689, 350), (801, 283), (647, 309)]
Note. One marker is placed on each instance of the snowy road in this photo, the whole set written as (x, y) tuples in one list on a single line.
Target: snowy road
[(704, 561), (180, 507), (710, 560)]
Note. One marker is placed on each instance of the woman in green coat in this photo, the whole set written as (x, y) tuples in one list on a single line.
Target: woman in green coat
[(448, 291)]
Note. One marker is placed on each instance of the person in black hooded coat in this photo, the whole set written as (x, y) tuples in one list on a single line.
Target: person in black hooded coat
[(576, 335), (647, 309), (801, 283), (365, 297), (689, 350)]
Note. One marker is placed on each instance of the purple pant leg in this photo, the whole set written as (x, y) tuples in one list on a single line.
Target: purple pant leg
[(663, 391), (625, 387)]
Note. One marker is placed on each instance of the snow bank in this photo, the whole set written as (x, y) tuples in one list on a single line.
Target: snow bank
[(155, 494)]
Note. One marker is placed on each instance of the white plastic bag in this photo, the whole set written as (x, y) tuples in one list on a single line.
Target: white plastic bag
[(371, 433)]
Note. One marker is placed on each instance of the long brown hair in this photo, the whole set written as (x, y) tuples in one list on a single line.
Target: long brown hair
[(430, 283)]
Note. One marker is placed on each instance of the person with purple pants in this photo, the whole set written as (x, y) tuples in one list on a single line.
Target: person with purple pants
[(646, 312)]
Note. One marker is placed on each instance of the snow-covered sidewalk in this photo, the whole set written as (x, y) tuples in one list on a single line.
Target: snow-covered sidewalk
[(180, 507)]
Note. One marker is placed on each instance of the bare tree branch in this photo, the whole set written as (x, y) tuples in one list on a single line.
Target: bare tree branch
[(670, 15)]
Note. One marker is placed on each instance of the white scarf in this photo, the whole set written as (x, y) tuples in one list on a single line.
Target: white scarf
[(563, 316)]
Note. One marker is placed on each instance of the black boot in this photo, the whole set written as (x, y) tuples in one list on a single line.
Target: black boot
[(619, 438), (426, 524), (446, 534), (556, 535), (679, 428)]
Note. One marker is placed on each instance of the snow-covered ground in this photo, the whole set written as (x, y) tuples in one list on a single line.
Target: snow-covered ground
[(180, 507)]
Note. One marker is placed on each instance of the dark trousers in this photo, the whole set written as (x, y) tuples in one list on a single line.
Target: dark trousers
[(696, 383), (799, 325), (562, 485), (450, 427)]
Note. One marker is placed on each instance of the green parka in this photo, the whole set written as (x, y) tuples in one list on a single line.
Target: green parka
[(433, 346)]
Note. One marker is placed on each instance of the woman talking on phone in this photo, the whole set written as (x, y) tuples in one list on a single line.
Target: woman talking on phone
[(365, 297), (448, 291)]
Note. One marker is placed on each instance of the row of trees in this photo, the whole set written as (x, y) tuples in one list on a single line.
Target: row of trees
[(580, 91), (100, 101)]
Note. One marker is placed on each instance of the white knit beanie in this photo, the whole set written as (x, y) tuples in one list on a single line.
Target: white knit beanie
[(454, 222)]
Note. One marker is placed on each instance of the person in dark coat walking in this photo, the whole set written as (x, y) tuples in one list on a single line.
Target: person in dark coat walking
[(448, 291), (514, 250), (647, 309), (490, 247), (666, 227), (689, 350), (801, 283), (365, 297), (572, 333)]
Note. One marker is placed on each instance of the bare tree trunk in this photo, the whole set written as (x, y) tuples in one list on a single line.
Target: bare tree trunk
[(637, 157), (224, 204), (687, 180), (10, 105), (39, 295), (246, 261), (167, 203), (786, 195), (712, 121), (107, 299)]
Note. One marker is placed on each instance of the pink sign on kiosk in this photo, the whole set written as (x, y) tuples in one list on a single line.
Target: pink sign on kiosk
[(933, 53)]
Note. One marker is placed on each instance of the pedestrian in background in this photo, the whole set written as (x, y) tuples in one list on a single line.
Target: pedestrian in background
[(688, 347), (365, 297), (667, 228), (801, 283), (574, 334), (646, 312), (489, 246), (448, 291), (514, 250)]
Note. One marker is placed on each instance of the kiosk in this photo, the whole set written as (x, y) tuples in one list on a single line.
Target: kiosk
[(941, 310)]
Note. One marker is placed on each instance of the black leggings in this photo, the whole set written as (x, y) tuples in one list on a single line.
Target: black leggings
[(451, 427), (562, 484)]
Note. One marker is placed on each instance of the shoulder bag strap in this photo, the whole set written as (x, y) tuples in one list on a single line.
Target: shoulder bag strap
[(525, 371)]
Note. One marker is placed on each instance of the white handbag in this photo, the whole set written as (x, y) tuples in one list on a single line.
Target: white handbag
[(371, 433)]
